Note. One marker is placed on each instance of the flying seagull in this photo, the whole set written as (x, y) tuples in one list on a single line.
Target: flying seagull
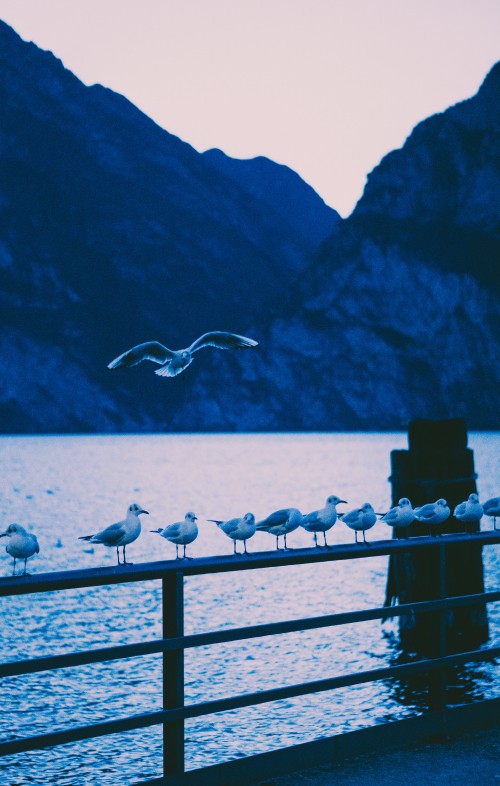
[(173, 361)]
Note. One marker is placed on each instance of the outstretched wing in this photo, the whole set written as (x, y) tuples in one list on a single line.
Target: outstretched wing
[(222, 340), (150, 350)]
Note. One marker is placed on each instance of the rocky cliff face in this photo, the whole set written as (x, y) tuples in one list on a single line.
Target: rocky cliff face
[(113, 231)]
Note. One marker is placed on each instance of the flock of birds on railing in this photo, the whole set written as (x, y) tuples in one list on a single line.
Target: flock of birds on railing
[(22, 544)]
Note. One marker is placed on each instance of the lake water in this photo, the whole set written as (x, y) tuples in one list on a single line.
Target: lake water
[(63, 487)]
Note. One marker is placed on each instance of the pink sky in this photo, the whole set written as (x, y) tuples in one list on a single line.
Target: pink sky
[(324, 86)]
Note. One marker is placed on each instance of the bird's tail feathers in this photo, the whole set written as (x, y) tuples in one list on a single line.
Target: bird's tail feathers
[(166, 371)]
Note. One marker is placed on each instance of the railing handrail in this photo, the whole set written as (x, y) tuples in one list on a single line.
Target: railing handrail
[(145, 571)]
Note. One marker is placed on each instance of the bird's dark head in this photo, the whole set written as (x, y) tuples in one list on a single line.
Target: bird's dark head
[(334, 500), (134, 508), (12, 529)]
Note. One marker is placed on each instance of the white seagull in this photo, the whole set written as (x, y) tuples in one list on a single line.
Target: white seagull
[(492, 508), (360, 520), (281, 522), (470, 511), (173, 361), (401, 516), (322, 520), (21, 544), (433, 513), (238, 529), (181, 533), (120, 534)]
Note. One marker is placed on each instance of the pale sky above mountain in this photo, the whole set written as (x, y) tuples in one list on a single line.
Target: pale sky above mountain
[(327, 87)]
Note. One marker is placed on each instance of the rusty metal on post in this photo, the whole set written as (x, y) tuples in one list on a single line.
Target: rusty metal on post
[(437, 464), (173, 672)]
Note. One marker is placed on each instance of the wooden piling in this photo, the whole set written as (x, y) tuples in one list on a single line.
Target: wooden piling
[(437, 464)]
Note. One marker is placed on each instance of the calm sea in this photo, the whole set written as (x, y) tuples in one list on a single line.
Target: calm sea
[(63, 487)]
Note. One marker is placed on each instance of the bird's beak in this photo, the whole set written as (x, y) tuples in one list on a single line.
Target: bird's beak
[(3, 534), (157, 531), (145, 511), (342, 500)]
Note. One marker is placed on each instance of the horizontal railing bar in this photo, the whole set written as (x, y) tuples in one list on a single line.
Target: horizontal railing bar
[(237, 702), (119, 574), (333, 683), (119, 652)]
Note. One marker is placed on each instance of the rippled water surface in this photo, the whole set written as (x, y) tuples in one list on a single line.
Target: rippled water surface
[(63, 487)]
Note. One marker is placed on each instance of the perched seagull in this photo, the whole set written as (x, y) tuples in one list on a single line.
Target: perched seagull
[(21, 545), (238, 529), (120, 534), (322, 520), (281, 522), (360, 520), (181, 533), (433, 513), (470, 512), (492, 508), (172, 361), (400, 516)]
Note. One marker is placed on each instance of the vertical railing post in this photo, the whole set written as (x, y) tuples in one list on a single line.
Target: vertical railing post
[(439, 678), (173, 672)]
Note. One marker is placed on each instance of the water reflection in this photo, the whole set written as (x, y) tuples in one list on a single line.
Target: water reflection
[(455, 685)]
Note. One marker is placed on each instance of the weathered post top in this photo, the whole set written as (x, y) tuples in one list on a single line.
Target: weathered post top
[(437, 464)]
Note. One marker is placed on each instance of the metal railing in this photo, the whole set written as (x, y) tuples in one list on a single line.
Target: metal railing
[(173, 644)]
